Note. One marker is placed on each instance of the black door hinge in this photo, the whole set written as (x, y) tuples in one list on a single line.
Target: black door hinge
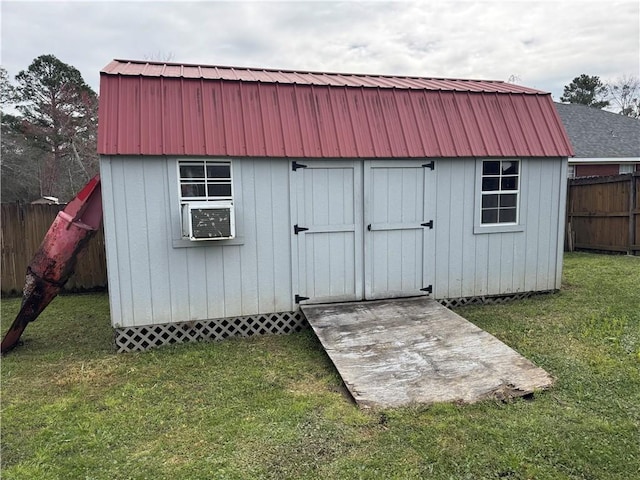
[(428, 224), (429, 165), (300, 298), (297, 229), (428, 289), (295, 166)]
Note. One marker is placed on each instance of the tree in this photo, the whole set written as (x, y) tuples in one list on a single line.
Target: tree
[(59, 118), (20, 177), (624, 95), (20, 163), (586, 90), (7, 91)]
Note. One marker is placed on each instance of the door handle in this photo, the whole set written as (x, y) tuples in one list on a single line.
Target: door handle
[(369, 227)]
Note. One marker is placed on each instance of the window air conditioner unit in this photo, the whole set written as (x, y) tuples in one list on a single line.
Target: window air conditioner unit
[(208, 221)]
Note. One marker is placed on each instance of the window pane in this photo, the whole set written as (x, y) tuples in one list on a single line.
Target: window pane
[(508, 200), (507, 215), (490, 184), (219, 189), (192, 189), (192, 171), (218, 171), (509, 183), (491, 168), (509, 168), (490, 216), (489, 201)]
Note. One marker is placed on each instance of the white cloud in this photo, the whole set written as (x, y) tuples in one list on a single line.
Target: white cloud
[(544, 43)]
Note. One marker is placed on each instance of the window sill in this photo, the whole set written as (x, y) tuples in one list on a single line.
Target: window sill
[(481, 229), (183, 243)]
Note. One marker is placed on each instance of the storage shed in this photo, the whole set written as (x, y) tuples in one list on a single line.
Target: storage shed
[(233, 195)]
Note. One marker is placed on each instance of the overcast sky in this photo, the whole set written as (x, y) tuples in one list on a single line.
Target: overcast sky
[(540, 44)]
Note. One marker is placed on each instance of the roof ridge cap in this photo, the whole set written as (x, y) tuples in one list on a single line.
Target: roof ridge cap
[(304, 72)]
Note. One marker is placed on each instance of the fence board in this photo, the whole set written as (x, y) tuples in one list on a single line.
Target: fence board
[(22, 230), (603, 213)]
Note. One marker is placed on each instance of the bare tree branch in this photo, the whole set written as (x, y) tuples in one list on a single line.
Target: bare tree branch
[(624, 95)]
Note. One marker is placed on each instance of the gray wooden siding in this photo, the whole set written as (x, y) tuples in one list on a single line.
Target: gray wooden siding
[(154, 277), (475, 264)]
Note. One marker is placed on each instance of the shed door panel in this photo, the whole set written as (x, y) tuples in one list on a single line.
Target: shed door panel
[(395, 238), (327, 202)]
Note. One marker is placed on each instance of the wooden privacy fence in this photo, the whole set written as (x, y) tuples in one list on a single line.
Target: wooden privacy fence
[(603, 213), (23, 228)]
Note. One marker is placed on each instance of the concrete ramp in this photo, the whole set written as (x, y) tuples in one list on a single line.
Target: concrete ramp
[(392, 353)]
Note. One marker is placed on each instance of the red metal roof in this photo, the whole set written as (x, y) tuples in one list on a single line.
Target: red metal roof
[(170, 109)]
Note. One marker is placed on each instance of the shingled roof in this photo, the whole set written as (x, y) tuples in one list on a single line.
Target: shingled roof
[(597, 133)]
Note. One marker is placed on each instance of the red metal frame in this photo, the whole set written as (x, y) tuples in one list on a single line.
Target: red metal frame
[(55, 261)]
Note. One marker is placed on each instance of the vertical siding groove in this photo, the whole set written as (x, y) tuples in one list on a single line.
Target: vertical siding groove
[(149, 240), (128, 249), (274, 280)]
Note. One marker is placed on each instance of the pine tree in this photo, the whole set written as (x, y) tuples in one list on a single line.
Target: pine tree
[(586, 90), (59, 112)]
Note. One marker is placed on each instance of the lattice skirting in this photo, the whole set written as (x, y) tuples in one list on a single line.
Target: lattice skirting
[(488, 299), (136, 339)]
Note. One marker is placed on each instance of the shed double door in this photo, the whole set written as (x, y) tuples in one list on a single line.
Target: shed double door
[(361, 229)]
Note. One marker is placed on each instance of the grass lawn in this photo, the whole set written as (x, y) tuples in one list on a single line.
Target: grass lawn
[(274, 407)]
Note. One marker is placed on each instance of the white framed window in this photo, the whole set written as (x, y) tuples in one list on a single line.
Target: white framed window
[(500, 192), (498, 196), (627, 168), (205, 191), (205, 180)]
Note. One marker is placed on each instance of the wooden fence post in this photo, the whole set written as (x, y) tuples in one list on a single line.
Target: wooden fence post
[(634, 211)]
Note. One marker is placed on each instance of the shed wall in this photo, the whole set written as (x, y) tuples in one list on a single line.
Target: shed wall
[(476, 264), (155, 277)]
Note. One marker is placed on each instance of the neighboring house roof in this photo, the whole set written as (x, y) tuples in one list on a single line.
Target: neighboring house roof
[(599, 134), (46, 200), (150, 108)]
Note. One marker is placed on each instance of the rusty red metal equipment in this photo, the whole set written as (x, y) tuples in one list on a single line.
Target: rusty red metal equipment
[(55, 261)]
